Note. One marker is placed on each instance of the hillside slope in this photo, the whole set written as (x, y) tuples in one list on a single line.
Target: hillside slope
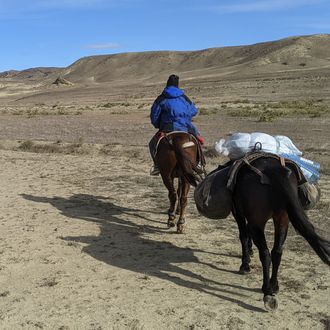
[(30, 74), (294, 53), (287, 54)]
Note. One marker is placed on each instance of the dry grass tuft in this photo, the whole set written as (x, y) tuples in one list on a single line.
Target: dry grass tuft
[(208, 111), (209, 152), (269, 111), (48, 282), (67, 148)]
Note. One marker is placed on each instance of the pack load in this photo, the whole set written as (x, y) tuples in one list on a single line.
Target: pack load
[(310, 169), (212, 197), (239, 144), (309, 195)]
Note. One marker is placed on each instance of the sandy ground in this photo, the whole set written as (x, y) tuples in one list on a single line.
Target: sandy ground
[(84, 245), (83, 239)]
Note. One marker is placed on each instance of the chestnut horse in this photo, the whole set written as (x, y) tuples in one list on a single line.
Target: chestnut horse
[(255, 203), (177, 157)]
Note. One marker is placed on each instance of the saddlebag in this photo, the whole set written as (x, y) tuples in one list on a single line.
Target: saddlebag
[(309, 195), (212, 197)]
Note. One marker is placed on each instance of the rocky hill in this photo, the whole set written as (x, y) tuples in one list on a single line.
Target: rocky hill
[(30, 74)]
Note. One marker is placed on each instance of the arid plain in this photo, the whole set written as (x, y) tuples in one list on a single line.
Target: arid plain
[(84, 242)]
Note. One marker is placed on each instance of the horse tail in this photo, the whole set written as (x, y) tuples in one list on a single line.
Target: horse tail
[(186, 165), (279, 178)]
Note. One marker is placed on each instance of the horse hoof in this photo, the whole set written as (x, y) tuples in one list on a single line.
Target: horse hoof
[(244, 270), (170, 223), (180, 229), (270, 303)]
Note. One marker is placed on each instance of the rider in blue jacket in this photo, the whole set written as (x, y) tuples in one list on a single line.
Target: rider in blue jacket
[(172, 111)]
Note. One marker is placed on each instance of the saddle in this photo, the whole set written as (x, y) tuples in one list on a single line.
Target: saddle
[(248, 160), (192, 141)]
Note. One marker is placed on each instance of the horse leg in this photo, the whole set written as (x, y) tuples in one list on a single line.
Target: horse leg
[(245, 242), (169, 184), (179, 193), (249, 241), (259, 240), (183, 203), (281, 223)]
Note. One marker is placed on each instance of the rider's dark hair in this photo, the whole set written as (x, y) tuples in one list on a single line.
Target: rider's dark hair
[(173, 80)]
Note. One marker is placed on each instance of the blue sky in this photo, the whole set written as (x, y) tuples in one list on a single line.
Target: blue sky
[(58, 32)]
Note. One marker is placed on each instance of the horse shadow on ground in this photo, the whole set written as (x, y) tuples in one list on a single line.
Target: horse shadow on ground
[(120, 243)]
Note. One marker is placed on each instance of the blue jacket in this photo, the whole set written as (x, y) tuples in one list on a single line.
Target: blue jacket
[(173, 111)]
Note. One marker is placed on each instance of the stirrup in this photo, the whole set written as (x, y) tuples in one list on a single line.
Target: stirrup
[(200, 168), (200, 171)]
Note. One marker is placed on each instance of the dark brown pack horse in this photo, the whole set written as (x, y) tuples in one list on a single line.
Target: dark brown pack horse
[(255, 203), (177, 157)]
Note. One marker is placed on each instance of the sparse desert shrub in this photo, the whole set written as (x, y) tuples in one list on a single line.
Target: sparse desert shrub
[(57, 147), (210, 152), (4, 293), (18, 112), (80, 141), (108, 105), (61, 111), (268, 116), (203, 111), (26, 145), (142, 105), (48, 282), (105, 150), (244, 101), (32, 112), (269, 111), (75, 148), (46, 148), (207, 111), (46, 111)]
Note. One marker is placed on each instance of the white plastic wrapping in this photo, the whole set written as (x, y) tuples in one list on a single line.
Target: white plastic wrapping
[(238, 144)]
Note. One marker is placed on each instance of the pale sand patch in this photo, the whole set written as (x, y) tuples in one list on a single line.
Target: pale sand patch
[(84, 246)]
